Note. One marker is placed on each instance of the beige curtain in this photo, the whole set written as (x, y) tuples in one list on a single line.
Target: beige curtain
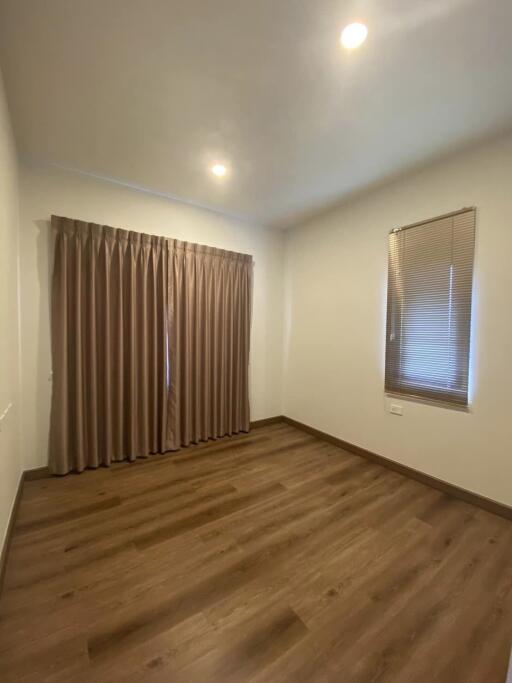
[(210, 317), (150, 341)]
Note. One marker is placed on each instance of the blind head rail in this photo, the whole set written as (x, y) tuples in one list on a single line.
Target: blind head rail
[(435, 218)]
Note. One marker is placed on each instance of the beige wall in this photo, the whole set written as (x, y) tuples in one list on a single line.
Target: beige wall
[(46, 190), (10, 465), (335, 298)]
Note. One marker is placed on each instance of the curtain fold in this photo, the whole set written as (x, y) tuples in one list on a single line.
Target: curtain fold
[(150, 344), (210, 317)]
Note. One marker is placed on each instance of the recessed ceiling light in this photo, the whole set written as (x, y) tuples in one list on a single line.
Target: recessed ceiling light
[(353, 35), (219, 170)]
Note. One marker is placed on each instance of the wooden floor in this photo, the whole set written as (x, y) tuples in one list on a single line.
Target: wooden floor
[(264, 558)]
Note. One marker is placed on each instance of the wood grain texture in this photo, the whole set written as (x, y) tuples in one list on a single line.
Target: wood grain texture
[(268, 557)]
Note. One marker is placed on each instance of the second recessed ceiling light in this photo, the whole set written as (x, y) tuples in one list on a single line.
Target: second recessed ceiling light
[(353, 35), (219, 170)]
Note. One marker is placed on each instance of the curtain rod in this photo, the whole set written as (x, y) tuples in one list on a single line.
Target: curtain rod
[(465, 209)]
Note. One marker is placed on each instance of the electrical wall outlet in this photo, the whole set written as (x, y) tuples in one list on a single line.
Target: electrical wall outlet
[(395, 409)]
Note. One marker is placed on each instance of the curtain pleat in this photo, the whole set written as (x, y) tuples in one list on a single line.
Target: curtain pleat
[(150, 343), (109, 337), (209, 334)]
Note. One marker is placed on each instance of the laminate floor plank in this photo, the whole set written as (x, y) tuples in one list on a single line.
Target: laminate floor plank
[(269, 557)]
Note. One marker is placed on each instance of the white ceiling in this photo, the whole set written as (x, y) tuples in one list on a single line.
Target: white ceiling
[(151, 92)]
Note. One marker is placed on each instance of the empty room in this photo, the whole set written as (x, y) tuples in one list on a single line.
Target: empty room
[(255, 341)]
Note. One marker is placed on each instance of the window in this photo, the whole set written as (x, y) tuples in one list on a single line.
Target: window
[(430, 277)]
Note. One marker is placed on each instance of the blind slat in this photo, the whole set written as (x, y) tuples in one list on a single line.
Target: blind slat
[(430, 280)]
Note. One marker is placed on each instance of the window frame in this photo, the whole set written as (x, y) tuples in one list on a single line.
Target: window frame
[(389, 379)]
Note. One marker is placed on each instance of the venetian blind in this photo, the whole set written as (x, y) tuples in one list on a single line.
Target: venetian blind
[(430, 277)]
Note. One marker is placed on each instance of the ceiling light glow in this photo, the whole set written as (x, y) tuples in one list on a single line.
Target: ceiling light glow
[(219, 170), (353, 35)]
